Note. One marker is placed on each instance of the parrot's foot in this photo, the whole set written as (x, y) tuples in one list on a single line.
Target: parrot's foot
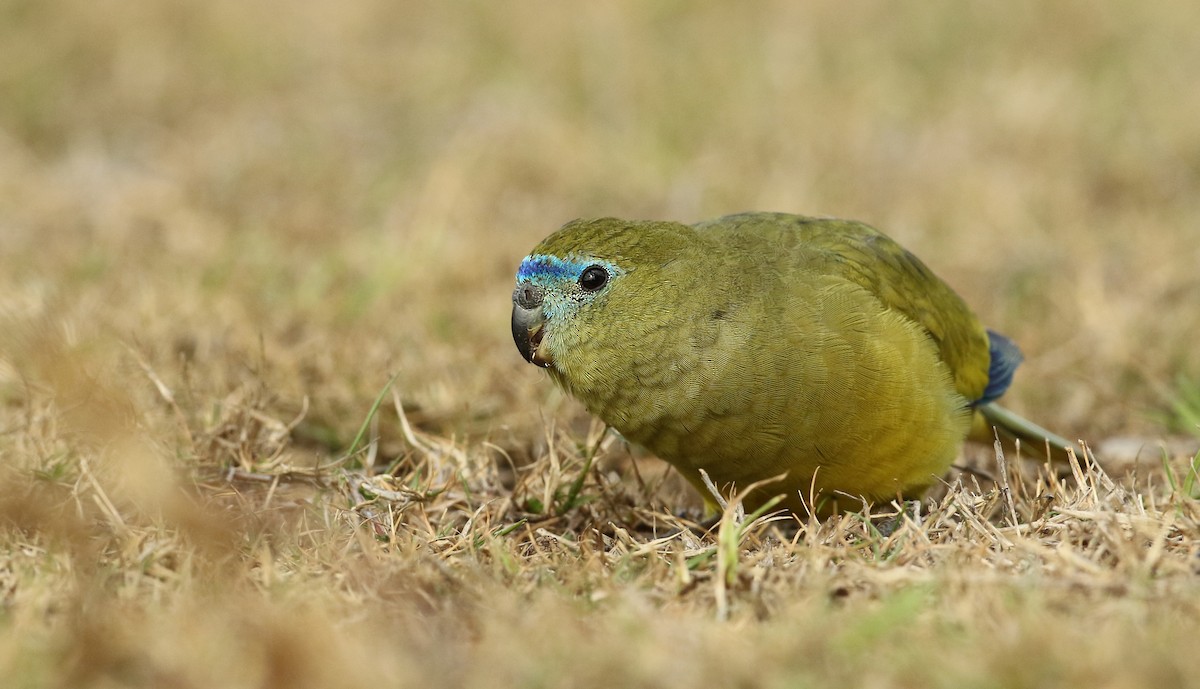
[(891, 520)]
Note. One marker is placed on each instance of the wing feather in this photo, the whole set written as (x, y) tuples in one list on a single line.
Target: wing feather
[(867, 257)]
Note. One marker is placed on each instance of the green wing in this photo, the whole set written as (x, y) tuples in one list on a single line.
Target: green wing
[(899, 279)]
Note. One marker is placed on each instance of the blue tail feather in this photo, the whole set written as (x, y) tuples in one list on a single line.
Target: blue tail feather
[(1005, 357)]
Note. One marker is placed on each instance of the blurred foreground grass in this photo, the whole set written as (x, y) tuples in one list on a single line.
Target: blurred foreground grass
[(225, 225)]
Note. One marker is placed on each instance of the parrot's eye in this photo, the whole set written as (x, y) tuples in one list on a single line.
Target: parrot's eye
[(593, 278)]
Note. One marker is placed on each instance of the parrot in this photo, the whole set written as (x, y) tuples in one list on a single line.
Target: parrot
[(812, 358)]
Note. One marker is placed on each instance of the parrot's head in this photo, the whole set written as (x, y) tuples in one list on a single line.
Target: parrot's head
[(551, 291), (583, 288)]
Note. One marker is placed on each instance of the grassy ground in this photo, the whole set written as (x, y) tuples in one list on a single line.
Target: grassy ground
[(225, 225)]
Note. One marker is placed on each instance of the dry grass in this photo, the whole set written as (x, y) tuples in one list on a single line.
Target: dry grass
[(224, 226)]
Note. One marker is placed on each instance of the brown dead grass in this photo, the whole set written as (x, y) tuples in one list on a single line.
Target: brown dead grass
[(225, 226)]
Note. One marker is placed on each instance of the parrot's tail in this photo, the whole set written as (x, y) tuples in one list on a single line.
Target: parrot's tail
[(1033, 437)]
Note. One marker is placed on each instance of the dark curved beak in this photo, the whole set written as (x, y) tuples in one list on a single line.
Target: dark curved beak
[(528, 325)]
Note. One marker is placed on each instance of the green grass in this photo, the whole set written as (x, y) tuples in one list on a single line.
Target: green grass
[(263, 423)]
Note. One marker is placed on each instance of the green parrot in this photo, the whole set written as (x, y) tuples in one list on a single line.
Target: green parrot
[(814, 351)]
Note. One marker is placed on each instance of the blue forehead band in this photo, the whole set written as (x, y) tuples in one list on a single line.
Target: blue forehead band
[(541, 268), (551, 271)]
